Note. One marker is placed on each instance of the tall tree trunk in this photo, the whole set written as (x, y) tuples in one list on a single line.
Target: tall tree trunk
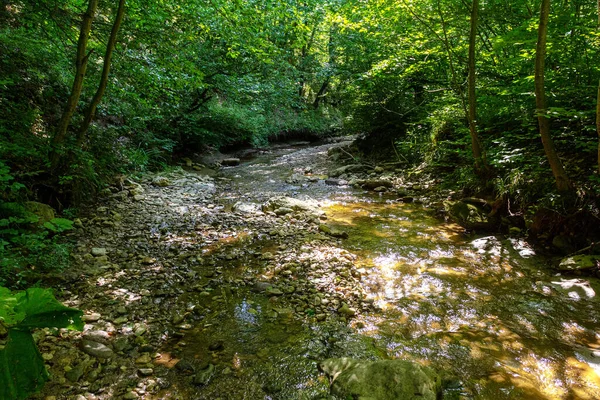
[(472, 115), (80, 68), (562, 180), (598, 100), (110, 46)]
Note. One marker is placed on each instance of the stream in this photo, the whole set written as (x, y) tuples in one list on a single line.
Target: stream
[(485, 311)]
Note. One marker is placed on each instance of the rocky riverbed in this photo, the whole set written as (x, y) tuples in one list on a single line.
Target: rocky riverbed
[(236, 282)]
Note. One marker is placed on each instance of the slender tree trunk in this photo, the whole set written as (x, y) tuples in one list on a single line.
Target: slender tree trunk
[(80, 68), (598, 100), (110, 46), (562, 180), (472, 115)]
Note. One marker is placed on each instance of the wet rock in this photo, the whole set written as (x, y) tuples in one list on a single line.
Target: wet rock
[(381, 380), (145, 371), (261, 286), (245, 208), (473, 214), (378, 170), (380, 189), (352, 168), (204, 376), (272, 291), (185, 366), (216, 345), (579, 263), (333, 231), (347, 311), (373, 184), (75, 373), (98, 251), (143, 359), (230, 162), (289, 202), (161, 181), (336, 182), (96, 349)]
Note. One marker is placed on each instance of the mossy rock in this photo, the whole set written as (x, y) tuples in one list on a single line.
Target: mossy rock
[(43, 211)]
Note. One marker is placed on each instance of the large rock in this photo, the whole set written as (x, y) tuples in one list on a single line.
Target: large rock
[(43, 211), (579, 263), (279, 202), (245, 208), (372, 184), (161, 181), (381, 380), (473, 214)]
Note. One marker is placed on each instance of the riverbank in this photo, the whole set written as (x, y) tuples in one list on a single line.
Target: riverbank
[(236, 283)]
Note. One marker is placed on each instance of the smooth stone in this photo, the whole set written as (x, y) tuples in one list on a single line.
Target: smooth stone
[(96, 349), (145, 371), (98, 251)]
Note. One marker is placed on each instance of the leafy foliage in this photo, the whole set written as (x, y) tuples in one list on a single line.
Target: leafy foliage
[(21, 365)]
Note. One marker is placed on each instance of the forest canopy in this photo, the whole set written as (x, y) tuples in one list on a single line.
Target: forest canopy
[(91, 89)]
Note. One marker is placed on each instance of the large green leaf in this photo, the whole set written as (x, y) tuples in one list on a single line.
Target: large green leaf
[(42, 310), (22, 370), (8, 302)]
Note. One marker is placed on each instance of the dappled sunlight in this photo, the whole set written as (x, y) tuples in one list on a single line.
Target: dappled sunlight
[(471, 305)]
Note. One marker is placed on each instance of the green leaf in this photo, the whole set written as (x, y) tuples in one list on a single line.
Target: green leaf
[(8, 302), (22, 370), (42, 310)]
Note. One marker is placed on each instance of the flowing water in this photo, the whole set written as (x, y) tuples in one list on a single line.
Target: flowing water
[(486, 311)]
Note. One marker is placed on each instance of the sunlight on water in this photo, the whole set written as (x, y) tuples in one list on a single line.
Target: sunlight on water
[(476, 306)]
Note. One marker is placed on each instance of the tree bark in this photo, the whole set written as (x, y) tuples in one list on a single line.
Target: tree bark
[(598, 100), (80, 68), (562, 180), (110, 46), (472, 115)]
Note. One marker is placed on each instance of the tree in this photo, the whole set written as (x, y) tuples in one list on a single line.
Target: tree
[(598, 100), (81, 61), (562, 180), (472, 115), (110, 46)]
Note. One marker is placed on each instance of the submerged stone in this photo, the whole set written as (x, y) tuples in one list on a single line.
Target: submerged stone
[(579, 263), (381, 380)]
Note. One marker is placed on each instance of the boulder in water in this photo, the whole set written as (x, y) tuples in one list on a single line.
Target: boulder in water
[(473, 214), (381, 380)]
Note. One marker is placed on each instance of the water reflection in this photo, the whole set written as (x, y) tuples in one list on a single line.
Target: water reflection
[(480, 308)]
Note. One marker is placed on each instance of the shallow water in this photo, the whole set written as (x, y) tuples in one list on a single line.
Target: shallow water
[(486, 311)]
